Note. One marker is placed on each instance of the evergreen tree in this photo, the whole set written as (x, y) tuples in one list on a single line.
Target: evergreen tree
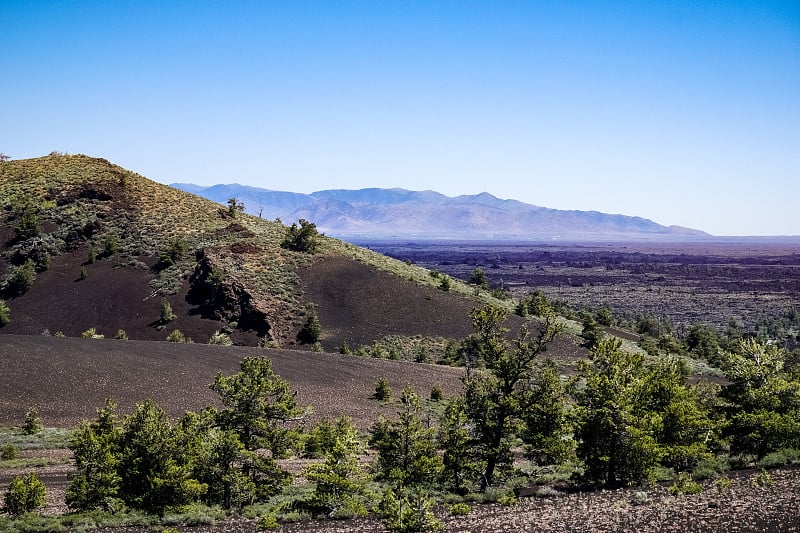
[(311, 331), (610, 439), (494, 396), (28, 225), (19, 279), (406, 447), (258, 406), (479, 279), (166, 312), (546, 430), (302, 238), (764, 400), (95, 449), (460, 467), (5, 313), (340, 484), (153, 468), (25, 495)]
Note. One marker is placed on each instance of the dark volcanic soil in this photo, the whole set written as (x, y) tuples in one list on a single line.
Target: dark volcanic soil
[(115, 295), (360, 304), (68, 378)]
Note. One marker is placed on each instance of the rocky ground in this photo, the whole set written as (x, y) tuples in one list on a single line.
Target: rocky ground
[(741, 508)]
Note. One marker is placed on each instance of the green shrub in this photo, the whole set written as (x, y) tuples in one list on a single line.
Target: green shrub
[(25, 495), (172, 253), (383, 391), (709, 468), (5, 313), (28, 224), (19, 279), (166, 312), (437, 394), (784, 456), (111, 244), (91, 333), (723, 484), (8, 452), (763, 479), (268, 521), (121, 335), (33, 424), (507, 499), (312, 329), (460, 509), (685, 485), (221, 339), (176, 336), (302, 238), (445, 283)]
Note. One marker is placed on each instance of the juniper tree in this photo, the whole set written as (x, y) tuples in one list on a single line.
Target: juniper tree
[(155, 472), (764, 400), (302, 237), (406, 446), (493, 397), (340, 483), (258, 407), (95, 449)]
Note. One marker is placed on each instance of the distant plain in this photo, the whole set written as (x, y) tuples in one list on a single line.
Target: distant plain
[(716, 282)]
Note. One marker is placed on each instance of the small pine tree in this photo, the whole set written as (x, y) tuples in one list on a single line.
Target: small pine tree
[(410, 512), (84, 274), (302, 238), (95, 450), (383, 391), (111, 244), (479, 279), (311, 331), (166, 312), (340, 482), (234, 207), (220, 339), (33, 424), (436, 393), (8, 452), (28, 225)]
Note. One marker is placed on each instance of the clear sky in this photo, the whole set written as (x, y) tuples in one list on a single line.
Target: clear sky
[(684, 112)]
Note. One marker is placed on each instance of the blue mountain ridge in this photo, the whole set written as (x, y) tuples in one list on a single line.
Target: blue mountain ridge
[(377, 213)]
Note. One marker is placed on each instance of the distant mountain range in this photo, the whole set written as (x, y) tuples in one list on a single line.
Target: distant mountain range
[(402, 214)]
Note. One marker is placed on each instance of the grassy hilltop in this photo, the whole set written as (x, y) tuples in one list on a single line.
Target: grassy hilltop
[(107, 245)]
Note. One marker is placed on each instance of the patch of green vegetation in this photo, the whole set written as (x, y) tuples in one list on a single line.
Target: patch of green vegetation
[(415, 348), (47, 438)]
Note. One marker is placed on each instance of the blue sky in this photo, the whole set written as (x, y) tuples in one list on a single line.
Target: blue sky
[(686, 113)]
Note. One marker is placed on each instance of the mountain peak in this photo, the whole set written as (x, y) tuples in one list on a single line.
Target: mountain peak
[(402, 213)]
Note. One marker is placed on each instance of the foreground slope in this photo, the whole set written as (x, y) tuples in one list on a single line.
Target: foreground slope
[(109, 246)]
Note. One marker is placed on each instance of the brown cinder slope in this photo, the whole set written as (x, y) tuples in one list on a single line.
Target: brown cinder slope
[(68, 378)]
